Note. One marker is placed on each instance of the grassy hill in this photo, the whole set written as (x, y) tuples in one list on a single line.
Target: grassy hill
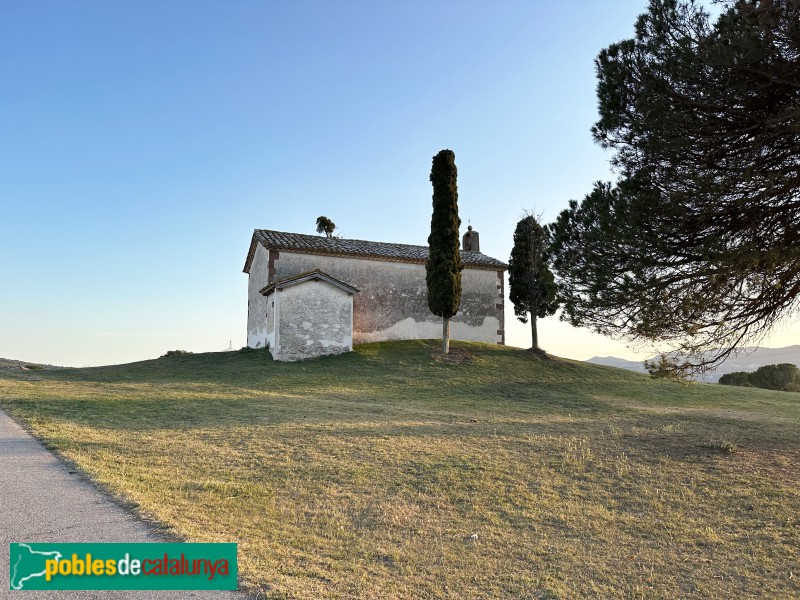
[(390, 472)]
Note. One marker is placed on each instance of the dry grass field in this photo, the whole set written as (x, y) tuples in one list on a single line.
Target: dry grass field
[(390, 473)]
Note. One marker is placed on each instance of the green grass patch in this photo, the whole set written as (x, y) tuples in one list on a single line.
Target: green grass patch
[(388, 472)]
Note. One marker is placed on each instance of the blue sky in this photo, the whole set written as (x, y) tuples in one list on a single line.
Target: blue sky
[(142, 142)]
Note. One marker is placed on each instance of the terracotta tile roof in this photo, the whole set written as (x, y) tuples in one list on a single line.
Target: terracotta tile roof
[(317, 244), (315, 275)]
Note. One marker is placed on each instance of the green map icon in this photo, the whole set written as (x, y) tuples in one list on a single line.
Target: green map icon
[(122, 566), (27, 564)]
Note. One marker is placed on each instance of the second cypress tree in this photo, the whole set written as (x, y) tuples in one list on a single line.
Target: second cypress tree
[(532, 288)]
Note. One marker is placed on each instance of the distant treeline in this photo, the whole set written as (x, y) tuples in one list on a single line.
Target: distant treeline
[(783, 377)]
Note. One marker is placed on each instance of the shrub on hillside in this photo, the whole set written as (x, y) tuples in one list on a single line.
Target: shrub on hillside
[(776, 377), (741, 378), (250, 350), (176, 353)]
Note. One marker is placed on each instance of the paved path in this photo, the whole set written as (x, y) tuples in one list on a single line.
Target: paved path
[(40, 501)]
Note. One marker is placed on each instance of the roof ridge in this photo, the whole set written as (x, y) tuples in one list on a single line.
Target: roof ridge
[(333, 239), (364, 249)]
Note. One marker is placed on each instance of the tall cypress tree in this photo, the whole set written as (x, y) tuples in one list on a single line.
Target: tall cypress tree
[(532, 287), (443, 267)]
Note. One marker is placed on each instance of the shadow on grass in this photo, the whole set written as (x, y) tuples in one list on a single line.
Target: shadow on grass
[(396, 385)]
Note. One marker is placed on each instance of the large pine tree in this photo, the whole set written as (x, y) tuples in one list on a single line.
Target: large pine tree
[(697, 246), (443, 267)]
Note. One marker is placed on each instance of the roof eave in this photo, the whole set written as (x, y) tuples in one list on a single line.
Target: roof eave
[(250, 254), (380, 257), (316, 275)]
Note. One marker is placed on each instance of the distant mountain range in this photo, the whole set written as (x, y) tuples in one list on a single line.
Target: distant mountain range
[(749, 359)]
